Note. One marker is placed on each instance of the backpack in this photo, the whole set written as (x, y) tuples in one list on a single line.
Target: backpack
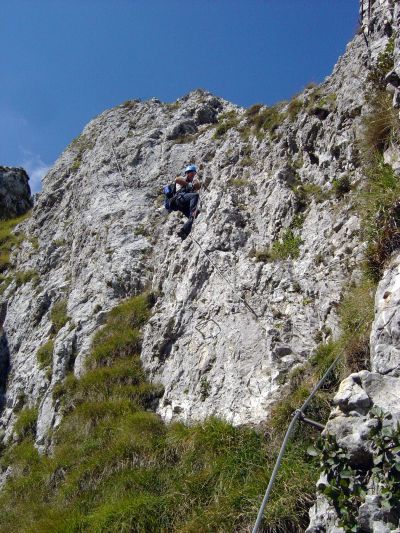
[(169, 192)]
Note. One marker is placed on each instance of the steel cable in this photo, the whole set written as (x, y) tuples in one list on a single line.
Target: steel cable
[(297, 414)]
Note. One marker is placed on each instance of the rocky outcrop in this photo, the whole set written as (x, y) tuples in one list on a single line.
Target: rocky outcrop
[(365, 396), (15, 193)]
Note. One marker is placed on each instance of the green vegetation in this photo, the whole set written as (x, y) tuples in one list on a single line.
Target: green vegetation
[(141, 230), (294, 108), (129, 104), (261, 119), (305, 191), (45, 355), (246, 162), (9, 239), (76, 163), (383, 66), (205, 387), (288, 247), (226, 121), (320, 104), (58, 315), (25, 426), (239, 182), (80, 145), (347, 483), (378, 198), (25, 276), (34, 242), (341, 186), (116, 466), (381, 128), (356, 313)]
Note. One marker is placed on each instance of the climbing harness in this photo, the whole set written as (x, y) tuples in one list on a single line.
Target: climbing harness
[(297, 415)]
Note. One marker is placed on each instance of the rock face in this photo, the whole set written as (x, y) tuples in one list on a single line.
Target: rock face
[(15, 193), (98, 233)]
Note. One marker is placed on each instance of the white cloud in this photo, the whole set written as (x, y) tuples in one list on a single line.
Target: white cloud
[(36, 169)]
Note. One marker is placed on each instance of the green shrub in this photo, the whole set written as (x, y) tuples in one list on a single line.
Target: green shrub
[(341, 186), (58, 315), (239, 182), (379, 208), (287, 247), (305, 191), (76, 163), (205, 387), (226, 121), (381, 127), (261, 119), (356, 315), (347, 482)]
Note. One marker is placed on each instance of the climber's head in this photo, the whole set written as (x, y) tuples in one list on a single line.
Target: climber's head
[(190, 171)]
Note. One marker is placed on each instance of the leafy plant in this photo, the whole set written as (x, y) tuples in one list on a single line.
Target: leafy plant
[(347, 483), (287, 247), (205, 388), (386, 459)]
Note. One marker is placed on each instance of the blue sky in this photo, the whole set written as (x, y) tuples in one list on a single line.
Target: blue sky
[(63, 62)]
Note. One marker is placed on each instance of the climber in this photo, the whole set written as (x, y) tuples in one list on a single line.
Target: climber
[(187, 198)]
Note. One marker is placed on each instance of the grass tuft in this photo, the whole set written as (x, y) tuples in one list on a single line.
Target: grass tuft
[(58, 315), (288, 247), (25, 426)]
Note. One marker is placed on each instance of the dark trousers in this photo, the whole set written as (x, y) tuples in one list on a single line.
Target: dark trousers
[(187, 203)]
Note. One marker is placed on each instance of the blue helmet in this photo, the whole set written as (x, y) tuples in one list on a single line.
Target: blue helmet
[(190, 168)]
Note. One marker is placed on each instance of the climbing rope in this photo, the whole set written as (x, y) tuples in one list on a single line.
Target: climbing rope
[(298, 415), (225, 278)]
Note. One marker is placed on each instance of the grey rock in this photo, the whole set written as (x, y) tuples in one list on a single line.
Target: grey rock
[(15, 193), (183, 127), (351, 396)]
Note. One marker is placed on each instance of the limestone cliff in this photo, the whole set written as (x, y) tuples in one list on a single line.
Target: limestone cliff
[(102, 235), (276, 219)]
